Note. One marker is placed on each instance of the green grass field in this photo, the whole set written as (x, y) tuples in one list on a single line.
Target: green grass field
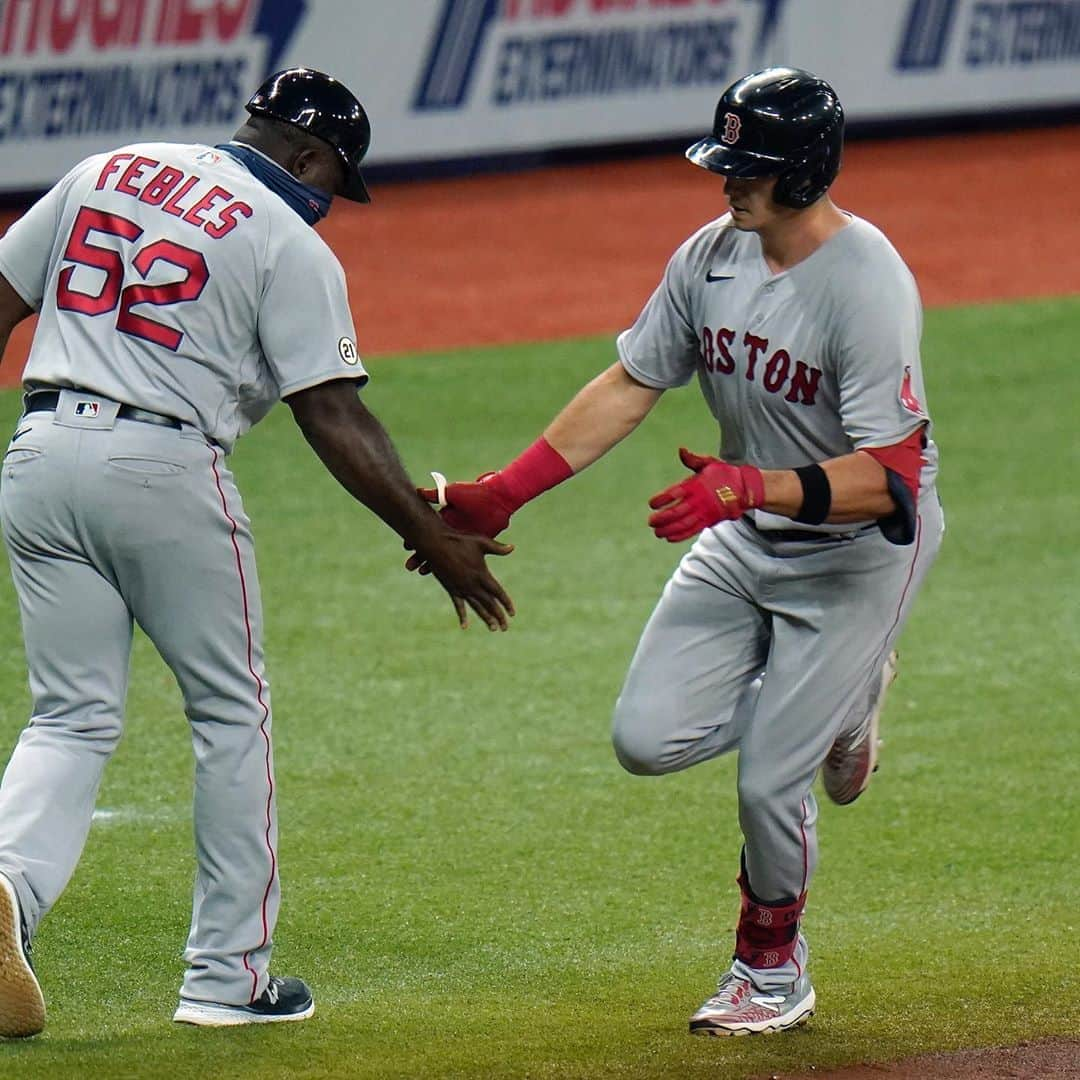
[(472, 885)]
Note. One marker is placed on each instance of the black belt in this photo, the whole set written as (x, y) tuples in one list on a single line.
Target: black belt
[(47, 400), (785, 536)]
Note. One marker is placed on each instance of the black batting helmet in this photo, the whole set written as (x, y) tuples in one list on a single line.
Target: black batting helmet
[(779, 122), (324, 107)]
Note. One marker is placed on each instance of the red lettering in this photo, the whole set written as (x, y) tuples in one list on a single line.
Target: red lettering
[(776, 370), (707, 348), (120, 27), (105, 26), (170, 16), (80, 250), (29, 25), (62, 26), (166, 18), (161, 186), (173, 205), (231, 18), (113, 291), (715, 353), (805, 383), (184, 22), (725, 338), (547, 9), (756, 345), (8, 16), (228, 219), (134, 172), (111, 166), (187, 24), (195, 215), (37, 17), (188, 288)]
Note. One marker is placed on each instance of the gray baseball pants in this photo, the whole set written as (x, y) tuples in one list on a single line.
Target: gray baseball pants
[(771, 648), (109, 521)]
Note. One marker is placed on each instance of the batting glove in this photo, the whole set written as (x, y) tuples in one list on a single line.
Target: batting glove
[(716, 492), (483, 507)]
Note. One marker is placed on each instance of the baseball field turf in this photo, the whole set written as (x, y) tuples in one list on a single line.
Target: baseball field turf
[(472, 885)]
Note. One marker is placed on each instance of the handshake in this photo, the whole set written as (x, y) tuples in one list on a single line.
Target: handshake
[(715, 491)]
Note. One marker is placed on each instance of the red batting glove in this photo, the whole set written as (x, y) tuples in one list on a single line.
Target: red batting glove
[(716, 492), (484, 507)]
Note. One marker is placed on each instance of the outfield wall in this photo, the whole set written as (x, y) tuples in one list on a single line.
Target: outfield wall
[(451, 79)]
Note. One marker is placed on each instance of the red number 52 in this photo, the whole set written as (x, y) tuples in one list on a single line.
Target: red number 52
[(113, 291)]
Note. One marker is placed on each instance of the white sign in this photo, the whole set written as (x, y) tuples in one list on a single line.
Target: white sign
[(448, 79)]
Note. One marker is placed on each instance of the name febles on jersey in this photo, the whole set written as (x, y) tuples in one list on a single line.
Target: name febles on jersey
[(168, 277)]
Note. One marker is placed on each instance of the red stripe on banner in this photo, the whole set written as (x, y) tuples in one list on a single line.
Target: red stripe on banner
[(262, 725)]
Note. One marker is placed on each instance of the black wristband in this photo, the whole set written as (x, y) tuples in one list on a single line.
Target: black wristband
[(816, 495)]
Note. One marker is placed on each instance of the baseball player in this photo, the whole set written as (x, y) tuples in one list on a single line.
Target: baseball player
[(181, 292), (812, 530)]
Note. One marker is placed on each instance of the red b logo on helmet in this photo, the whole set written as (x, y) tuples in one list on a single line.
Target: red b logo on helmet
[(732, 126)]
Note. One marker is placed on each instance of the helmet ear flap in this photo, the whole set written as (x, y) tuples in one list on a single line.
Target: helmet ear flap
[(808, 179)]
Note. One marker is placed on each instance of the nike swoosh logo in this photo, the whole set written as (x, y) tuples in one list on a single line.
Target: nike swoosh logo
[(20, 434), (710, 276)]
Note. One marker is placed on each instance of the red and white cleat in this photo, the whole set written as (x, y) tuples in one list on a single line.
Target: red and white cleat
[(740, 1008), (853, 758)]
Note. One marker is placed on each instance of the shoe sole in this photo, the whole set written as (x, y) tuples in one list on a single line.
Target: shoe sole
[(22, 1006), (203, 1014), (795, 1018), (888, 677)]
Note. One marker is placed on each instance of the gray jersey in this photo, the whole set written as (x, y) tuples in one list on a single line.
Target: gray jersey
[(168, 277), (798, 367)]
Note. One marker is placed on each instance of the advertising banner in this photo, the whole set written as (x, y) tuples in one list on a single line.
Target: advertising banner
[(452, 79)]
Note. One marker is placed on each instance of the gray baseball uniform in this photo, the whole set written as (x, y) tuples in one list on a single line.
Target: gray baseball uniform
[(179, 298), (771, 635)]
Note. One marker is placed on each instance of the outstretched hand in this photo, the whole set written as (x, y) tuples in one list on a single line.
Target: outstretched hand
[(457, 561), (717, 491)]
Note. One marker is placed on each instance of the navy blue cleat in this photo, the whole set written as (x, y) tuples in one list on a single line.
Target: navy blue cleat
[(282, 1000)]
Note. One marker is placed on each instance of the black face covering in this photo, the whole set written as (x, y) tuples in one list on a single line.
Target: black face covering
[(310, 203)]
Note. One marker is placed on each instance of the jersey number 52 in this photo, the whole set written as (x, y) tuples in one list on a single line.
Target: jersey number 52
[(113, 291)]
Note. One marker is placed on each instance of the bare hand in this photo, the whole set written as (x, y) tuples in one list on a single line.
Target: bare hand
[(457, 560)]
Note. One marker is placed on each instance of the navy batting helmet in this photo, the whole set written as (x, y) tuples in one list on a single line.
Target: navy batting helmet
[(324, 107), (779, 122)]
